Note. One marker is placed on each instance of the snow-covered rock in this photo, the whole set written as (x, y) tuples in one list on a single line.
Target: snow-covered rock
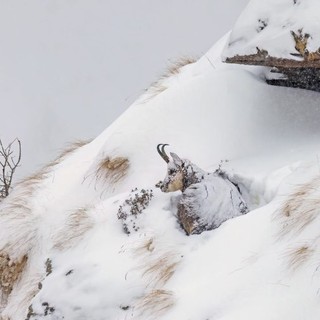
[(269, 25)]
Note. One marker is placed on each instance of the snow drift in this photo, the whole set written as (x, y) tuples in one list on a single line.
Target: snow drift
[(268, 25), (65, 252)]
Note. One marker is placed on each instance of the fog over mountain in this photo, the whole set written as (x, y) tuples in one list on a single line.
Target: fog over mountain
[(69, 68)]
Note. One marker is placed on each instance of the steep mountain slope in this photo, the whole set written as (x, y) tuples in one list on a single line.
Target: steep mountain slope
[(66, 255)]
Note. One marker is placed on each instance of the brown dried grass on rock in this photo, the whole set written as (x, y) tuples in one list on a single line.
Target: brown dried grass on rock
[(10, 272)]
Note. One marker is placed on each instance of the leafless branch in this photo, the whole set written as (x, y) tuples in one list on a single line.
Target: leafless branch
[(10, 157)]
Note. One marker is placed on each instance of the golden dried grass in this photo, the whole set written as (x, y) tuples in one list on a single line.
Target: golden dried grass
[(300, 209), (157, 269), (155, 303), (38, 176), (10, 272), (301, 43), (77, 225), (176, 66), (17, 208), (73, 146), (174, 69), (299, 256), (160, 270), (112, 170), (146, 246)]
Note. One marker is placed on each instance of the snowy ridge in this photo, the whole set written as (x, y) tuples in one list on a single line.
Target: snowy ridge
[(81, 264), (267, 25)]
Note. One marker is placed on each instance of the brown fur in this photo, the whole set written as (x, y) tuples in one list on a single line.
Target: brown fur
[(155, 303), (176, 183), (158, 86), (187, 221), (113, 169), (298, 256), (76, 226)]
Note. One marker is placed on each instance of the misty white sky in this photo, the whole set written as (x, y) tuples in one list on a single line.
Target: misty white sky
[(68, 68)]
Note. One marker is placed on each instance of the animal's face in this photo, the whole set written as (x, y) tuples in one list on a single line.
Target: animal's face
[(174, 179)]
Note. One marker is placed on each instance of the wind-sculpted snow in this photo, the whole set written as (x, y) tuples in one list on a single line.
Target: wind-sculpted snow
[(271, 25), (81, 264)]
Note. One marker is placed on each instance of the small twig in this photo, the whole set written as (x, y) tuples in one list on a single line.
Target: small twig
[(8, 166)]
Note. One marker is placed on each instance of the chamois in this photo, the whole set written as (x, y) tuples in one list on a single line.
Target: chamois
[(207, 200)]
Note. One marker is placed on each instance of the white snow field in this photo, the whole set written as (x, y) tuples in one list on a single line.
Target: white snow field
[(67, 255), (268, 25)]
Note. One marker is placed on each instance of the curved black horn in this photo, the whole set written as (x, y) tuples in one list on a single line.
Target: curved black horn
[(161, 151)]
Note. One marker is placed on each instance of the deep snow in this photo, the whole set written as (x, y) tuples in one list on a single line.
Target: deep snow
[(252, 267), (268, 25)]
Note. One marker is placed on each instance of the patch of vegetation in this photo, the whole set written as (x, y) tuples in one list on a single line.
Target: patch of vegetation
[(48, 266), (132, 207)]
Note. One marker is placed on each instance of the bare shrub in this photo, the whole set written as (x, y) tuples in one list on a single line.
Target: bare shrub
[(132, 207), (10, 157)]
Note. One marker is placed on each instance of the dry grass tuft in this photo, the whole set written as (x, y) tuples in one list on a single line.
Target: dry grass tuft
[(174, 69), (113, 169), (155, 303), (147, 246), (160, 270), (33, 180), (71, 148), (10, 272), (76, 226), (157, 269), (300, 209), (298, 256)]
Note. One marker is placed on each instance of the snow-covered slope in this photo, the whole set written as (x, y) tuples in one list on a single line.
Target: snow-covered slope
[(65, 254), (267, 25)]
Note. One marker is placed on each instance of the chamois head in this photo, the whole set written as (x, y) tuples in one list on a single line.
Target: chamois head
[(174, 179)]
